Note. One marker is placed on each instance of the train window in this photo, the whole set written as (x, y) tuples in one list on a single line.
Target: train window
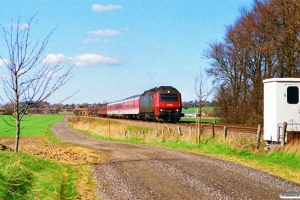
[(119, 106), (169, 97), (293, 95)]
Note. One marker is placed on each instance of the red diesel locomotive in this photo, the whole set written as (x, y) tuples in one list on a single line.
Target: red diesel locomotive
[(158, 104)]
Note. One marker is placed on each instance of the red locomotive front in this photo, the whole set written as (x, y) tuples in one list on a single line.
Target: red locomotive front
[(167, 104), (161, 104)]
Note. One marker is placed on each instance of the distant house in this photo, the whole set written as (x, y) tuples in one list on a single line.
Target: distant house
[(78, 107), (87, 111), (69, 107)]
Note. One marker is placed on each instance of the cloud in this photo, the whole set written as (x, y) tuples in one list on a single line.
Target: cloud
[(23, 26), (153, 73), (82, 60), (18, 26), (54, 58), (101, 8), (93, 59), (106, 32), (90, 40), (158, 47)]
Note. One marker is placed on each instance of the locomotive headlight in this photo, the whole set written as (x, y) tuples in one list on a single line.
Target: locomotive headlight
[(177, 110)]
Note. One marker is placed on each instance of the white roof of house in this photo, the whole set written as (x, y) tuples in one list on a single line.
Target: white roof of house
[(281, 80)]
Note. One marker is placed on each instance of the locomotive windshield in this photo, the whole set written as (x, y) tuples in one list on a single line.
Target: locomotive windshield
[(168, 97)]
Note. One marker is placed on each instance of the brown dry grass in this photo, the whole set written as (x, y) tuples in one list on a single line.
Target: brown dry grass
[(293, 146), (113, 128), (63, 153)]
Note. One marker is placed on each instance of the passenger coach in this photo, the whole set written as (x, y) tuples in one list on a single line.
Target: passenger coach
[(160, 104)]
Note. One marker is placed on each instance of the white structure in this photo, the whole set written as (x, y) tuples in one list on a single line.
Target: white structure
[(281, 104)]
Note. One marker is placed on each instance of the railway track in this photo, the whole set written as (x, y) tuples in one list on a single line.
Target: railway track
[(230, 127)]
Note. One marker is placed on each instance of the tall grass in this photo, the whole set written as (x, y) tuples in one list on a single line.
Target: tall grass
[(24, 176)]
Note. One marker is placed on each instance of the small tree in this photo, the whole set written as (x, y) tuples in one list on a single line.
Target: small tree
[(30, 79), (202, 92)]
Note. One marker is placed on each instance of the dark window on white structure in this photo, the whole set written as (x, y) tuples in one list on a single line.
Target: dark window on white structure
[(293, 95)]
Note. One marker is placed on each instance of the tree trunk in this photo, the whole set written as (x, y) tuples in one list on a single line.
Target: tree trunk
[(17, 135)]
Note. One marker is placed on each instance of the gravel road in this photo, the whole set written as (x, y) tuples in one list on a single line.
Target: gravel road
[(146, 172)]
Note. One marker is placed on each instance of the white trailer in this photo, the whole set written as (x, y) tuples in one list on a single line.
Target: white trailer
[(281, 104)]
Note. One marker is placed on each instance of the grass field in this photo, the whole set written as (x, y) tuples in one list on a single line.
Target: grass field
[(203, 119), (206, 110), (31, 125)]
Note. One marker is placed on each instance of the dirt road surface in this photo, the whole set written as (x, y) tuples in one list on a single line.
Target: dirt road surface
[(145, 172)]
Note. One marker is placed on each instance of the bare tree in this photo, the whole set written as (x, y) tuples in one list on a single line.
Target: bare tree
[(31, 79), (202, 92), (262, 43)]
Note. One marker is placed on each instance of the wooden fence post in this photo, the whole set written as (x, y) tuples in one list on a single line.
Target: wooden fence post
[(283, 134), (108, 128), (258, 136), (200, 132), (225, 132), (179, 132), (213, 130)]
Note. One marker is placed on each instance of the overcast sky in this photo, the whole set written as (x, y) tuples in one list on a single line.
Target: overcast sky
[(121, 48)]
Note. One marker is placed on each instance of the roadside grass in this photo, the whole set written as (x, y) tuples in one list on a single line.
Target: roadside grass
[(285, 165), (24, 176), (279, 163)]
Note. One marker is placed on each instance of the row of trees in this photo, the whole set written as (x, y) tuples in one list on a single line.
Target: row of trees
[(262, 43)]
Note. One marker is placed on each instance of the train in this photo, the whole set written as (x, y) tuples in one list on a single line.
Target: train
[(157, 104)]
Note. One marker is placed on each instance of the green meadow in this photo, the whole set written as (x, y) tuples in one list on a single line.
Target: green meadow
[(193, 110), (31, 125), (208, 109)]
